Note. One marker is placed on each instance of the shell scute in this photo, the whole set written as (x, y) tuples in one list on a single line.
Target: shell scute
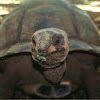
[(18, 27)]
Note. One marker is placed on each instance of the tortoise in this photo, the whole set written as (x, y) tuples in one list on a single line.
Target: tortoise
[(49, 49)]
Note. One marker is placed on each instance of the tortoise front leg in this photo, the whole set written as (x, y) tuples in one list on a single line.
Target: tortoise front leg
[(92, 78), (7, 79), (92, 83), (82, 73), (6, 87)]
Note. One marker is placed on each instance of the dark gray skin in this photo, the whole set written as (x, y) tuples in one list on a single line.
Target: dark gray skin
[(81, 72)]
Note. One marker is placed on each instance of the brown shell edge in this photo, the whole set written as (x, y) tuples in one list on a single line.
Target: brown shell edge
[(74, 45), (17, 48)]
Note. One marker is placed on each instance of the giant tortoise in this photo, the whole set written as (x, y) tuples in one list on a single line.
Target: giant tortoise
[(49, 49)]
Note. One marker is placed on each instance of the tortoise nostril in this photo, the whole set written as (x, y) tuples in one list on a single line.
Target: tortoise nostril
[(41, 51)]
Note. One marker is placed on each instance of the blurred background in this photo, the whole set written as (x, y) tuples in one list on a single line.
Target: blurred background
[(91, 6)]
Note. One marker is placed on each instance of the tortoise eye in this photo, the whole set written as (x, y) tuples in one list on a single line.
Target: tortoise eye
[(33, 41), (57, 42), (57, 39)]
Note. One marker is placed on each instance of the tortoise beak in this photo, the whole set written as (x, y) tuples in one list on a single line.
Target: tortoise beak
[(54, 91)]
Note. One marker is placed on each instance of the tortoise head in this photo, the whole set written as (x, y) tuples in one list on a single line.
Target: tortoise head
[(49, 47)]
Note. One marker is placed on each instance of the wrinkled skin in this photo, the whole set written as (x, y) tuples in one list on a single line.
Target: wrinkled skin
[(18, 71)]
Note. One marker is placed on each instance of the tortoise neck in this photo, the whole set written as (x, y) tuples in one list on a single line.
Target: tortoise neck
[(55, 75)]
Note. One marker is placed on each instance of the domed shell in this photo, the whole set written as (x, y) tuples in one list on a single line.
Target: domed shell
[(18, 26)]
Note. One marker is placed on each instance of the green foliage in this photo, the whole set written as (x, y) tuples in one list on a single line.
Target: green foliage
[(41, 58)]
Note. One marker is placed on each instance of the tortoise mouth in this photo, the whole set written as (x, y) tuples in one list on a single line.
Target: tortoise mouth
[(50, 66), (52, 60)]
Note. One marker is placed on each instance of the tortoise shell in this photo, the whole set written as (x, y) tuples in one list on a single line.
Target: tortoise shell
[(18, 26)]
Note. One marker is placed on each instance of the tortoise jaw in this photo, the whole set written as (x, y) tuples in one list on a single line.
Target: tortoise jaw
[(50, 60), (49, 66)]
